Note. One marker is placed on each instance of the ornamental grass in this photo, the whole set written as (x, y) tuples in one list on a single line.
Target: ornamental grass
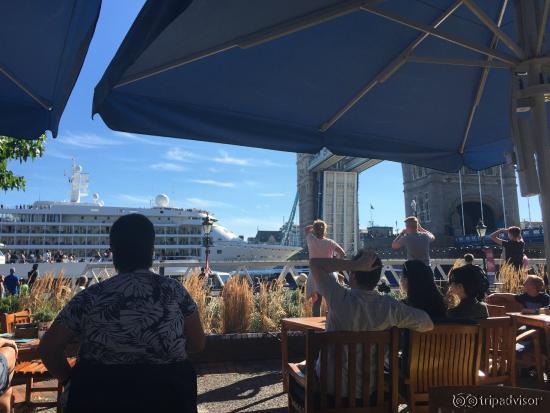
[(239, 310), (510, 280)]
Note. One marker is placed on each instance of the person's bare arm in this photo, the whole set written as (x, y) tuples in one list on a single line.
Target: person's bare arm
[(52, 351), (8, 349), (194, 333), (340, 253), (495, 238), (395, 243), (425, 231), (309, 229)]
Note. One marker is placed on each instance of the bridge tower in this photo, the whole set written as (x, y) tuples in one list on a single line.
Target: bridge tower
[(438, 202), (327, 188)]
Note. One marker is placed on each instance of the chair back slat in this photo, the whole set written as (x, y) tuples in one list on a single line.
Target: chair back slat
[(366, 367), (323, 376), (380, 356), (338, 354), (352, 373)]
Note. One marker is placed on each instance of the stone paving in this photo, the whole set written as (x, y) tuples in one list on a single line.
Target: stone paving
[(252, 387)]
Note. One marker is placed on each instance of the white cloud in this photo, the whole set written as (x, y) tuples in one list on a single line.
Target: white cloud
[(224, 158), (134, 200), (214, 170), (87, 140), (178, 154), (167, 166), (272, 194), (56, 154), (205, 203), (214, 183), (152, 140)]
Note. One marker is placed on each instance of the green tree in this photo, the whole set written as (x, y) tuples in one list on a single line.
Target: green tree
[(18, 150)]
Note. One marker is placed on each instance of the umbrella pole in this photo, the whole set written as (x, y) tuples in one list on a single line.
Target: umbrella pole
[(542, 152), (531, 30)]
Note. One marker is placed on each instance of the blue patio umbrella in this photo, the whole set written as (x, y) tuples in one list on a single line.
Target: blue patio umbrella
[(436, 83), (42, 48)]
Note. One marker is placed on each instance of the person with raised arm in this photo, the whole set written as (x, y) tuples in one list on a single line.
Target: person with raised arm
[(513, 247), (416, 239)]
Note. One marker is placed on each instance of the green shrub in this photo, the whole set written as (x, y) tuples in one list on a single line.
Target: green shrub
[(9, 304)]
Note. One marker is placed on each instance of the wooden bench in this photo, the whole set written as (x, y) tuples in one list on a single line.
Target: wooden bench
[(341, 360)]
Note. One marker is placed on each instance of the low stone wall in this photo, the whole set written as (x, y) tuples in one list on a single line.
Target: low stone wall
[(222, 348)]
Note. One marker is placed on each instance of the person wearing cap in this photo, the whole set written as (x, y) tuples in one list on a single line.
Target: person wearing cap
[(416, 239), (468, 284)]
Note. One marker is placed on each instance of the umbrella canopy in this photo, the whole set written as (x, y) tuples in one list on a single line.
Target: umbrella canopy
[(418, 81), (42, 48)]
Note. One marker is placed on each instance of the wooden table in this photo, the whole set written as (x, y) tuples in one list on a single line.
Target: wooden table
[(296, 324)]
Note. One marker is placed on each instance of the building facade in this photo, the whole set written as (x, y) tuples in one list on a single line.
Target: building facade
[(436, 196)]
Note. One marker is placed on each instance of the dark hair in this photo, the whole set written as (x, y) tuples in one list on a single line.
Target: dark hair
[(469, 258), (473, 280), (368, 279), (132, 239), (422, 293), (514, 231)]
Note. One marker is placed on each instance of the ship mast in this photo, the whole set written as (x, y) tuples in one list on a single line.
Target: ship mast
[(79, 183)]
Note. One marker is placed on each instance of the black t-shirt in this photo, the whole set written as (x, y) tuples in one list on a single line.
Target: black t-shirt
[(514, 252), (538, 301)]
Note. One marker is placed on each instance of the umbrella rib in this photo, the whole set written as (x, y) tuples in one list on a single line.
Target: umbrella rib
[(25, 89), (542, 26), (482, 82), (486, 20), (459, 62), (389, 70), (505, 57), (254, 39)]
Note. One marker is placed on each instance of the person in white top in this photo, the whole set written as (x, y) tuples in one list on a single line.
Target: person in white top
[(319, 246), (361, 307)]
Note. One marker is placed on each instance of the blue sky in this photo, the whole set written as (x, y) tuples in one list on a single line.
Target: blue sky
[(245, 188)]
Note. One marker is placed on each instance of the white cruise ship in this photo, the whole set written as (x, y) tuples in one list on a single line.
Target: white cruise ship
[(82, 229)]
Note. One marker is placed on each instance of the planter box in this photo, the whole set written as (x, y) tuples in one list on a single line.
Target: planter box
[(249, 347)]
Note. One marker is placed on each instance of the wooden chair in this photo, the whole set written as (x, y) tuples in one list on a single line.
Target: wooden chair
[(342, 362), (498, 351), (446, 356), (508, 301), (8, 320), (468, 399), (536, 358), (496, 310), (35, 371)]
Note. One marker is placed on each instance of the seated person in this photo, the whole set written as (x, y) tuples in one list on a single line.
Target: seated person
[(135, 330), (533, 296), (469, 259), (417, 282), (467, 283), (361, 307), (8, 357)]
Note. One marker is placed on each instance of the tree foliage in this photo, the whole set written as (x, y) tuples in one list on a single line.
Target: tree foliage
[(21, 150)]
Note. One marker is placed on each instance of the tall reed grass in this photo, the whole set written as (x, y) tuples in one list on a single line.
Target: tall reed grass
[(237, 297), (510, 279), (239, 310)]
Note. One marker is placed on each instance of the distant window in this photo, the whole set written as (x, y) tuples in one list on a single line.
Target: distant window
[(218, 251)]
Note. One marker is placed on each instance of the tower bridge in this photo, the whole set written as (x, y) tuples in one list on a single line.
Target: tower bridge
[(450, 204)]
